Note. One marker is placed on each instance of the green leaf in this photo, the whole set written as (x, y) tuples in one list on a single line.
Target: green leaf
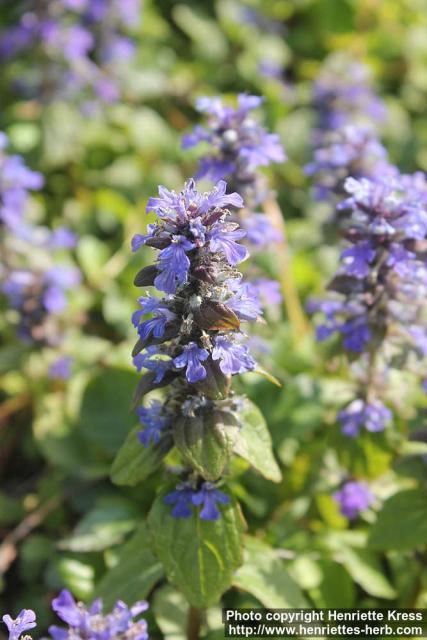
[(134, 575), (336, 589), (199, 556), (105, 414), (100, 528), (413, 448), (253, 442), (134, 462), (77, 576), (268, 376), (402, 522), (366, 571), (205, 441), (369, 455), (170, 610), (264, 576)]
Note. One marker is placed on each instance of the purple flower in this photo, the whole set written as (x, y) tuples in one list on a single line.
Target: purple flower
[(149, 360), (91, 623), (185, 497), (239, 144), (245, 301), (155, 420), (260, 231), (61, 368), (181, 498), (374, 416), (25, 620), (78, 42), (155, 325), (139, 239), (223, 240), (173, 264), (233, 358), (208, 496), (191, 358), (58, 279), (353, 498), (62, 238), (81, 60), (357, 259), (68, 610), (196, 265), (356, 334), (268, 291)]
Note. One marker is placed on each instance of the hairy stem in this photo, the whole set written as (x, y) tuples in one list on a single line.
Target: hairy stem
[(294, 309), (194, 623)]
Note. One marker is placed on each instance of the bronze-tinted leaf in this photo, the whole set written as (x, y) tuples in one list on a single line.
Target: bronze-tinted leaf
[(170, 332), (216, 385), (145, 277), (147, 384), (215, 316), (344, 284), (158, 243), (205, 274)]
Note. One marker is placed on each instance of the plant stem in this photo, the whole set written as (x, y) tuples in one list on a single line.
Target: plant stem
[(294, 309), (194, 623)]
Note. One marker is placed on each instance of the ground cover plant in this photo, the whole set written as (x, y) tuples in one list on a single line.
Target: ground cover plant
[(213, 224)]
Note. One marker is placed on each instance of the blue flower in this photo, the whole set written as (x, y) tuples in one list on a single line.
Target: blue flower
[(155, 420), (90, 622), (223, 239), (356, 334), (181, 498), (62, 238), (173, 264), (245, 302), (139, 239), (233, 358), (191, 358), (149, 361), (185, 497), (357, 259), (239, 144), (260, 231), (25, 621), (268, 291), (374, 416), (61, 368), (208, 496), (353, 498)]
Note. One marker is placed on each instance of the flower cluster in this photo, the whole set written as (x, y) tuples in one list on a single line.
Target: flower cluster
[(86, 37), (34, 284), (343, 95), (85, 623), (239, 145), (186, 496), (345, 140), (381, 285), (352, 150), (16, 180), (192, 339), (374, 416), (353, 498)]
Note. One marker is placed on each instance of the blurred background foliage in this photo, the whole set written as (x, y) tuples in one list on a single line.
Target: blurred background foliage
[(62, 521)]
